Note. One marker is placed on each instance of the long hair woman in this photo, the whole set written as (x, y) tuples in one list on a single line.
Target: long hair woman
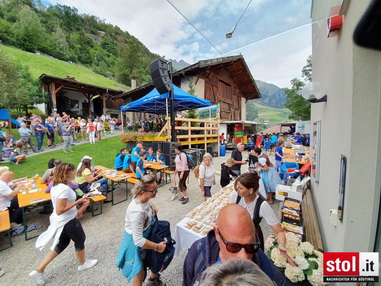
[(247, 195), (85, 179), (64, 224), (138, 220)]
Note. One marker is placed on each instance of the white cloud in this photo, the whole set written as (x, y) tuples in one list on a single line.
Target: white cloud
[(164, 31)]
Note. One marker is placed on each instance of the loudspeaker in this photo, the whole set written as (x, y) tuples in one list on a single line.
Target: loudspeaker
[(156, 145), (168, 147), (160, 75)]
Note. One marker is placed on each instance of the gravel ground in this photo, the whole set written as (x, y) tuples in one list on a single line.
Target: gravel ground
[(104, 234)]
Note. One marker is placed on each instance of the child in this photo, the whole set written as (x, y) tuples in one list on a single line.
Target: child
[(151, 155), (119, 158), (140, 171), (16, 155), (250, 144), (252, 160), (159, 158), (267, 146), (127, 163), (226, 172), (279, 156)]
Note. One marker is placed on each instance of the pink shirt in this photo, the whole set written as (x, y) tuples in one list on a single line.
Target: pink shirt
[(181, 164)]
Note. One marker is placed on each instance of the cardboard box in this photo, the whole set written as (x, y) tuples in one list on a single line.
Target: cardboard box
[(283, 191)]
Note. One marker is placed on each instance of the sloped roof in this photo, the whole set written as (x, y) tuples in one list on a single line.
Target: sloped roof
[(72, 84), (236, 66)]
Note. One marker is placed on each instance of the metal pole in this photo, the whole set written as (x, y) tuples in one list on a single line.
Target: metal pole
[(172, 99), (121, 118)]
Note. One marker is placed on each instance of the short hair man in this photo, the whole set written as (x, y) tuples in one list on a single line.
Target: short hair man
[(26, 139), (233, 238), (8, 197), (238, 161)]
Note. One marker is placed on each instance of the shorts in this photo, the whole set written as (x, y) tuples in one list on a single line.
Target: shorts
[(207, 191), (51, 136), (272, 145)]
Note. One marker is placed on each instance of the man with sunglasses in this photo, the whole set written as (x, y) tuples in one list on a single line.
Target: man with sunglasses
[(234, 237)]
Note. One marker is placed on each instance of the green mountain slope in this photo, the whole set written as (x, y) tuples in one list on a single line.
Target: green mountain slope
[(261, 113), (39, 64)]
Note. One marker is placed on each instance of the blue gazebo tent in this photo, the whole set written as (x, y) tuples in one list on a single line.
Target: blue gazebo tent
[(156, 103)]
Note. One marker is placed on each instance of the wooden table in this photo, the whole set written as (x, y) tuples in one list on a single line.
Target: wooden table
[(119, 178), (29, 197)]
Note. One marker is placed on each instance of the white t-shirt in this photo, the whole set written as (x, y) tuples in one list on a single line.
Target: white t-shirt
[(138, 219), (265, 211), (207, 173), (5, 199), (62, 191)]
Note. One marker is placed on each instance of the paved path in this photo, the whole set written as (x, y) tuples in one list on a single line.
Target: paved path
[(104, 234)]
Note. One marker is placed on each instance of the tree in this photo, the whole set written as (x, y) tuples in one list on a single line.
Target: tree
[(191, 113), (18, 88), (299, 107)]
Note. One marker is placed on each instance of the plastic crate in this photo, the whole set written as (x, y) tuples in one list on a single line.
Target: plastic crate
[(286, 166)]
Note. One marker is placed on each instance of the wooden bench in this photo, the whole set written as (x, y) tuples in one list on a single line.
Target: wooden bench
[(168, 174), (94, 201), (311, 224), (5, 225)]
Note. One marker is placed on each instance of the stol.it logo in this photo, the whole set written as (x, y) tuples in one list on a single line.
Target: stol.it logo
[(351, 266)]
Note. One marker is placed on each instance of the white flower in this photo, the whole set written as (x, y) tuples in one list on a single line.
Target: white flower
[(302, 262), (307, 247), (291, 237), (293, 249), (278, 259), (269, 242), (316, 278), (295, 274), (318, 254)]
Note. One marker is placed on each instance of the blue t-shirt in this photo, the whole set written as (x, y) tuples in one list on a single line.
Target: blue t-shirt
[(278, 149), (39, 133), (118, 163), (299, 139), (267, 144), (161, 158), (50, 127), (140, 164), (274, 138), (250, 144), (126, 161), (151, 158), (133, 157)]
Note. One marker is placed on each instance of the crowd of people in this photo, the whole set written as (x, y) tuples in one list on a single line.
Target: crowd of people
[(151, 124), (234, 248), (57, 129)]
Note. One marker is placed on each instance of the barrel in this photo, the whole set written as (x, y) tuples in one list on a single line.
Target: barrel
[(222, 150)]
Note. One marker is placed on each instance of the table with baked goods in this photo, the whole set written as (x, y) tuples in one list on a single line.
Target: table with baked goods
[(201, 219)]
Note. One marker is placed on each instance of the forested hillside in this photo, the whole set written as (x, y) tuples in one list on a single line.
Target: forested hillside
[(61, 32)]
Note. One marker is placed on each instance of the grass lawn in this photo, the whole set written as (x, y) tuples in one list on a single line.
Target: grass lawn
[(103, 153), (39, 65), (274, 115)]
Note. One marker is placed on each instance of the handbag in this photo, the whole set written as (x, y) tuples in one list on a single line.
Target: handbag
[(95, 190), (160, 231)]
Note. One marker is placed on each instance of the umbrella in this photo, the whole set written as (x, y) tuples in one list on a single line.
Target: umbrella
[(156, 103)]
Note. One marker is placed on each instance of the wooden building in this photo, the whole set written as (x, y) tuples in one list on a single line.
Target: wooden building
[(79, 98)]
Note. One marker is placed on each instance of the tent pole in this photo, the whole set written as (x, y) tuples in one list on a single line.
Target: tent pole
[(171, 96), (166, 106)]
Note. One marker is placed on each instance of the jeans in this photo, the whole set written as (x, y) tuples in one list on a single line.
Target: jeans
[(278, 165), (40, 141), (15, 212), (67, 142)]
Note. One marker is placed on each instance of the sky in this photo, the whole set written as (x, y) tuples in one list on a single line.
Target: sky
[(274, 36)]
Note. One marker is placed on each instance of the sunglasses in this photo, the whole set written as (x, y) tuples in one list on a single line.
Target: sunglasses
[(154, 191), (233, 247)]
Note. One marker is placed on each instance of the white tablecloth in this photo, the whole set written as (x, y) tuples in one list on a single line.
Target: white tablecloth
[(184, 237)]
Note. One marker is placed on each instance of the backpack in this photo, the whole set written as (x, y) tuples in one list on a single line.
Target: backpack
[(160, 231), (197, 171), (257, 219), (190, 161)]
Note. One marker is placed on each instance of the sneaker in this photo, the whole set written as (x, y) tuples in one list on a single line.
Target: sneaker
[(185, 201), (37, 277), (88, 264), (64, 151), (181, 199), (155, 282), (1, 272)]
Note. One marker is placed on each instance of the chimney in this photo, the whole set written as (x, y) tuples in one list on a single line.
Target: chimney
[(133, 82)]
